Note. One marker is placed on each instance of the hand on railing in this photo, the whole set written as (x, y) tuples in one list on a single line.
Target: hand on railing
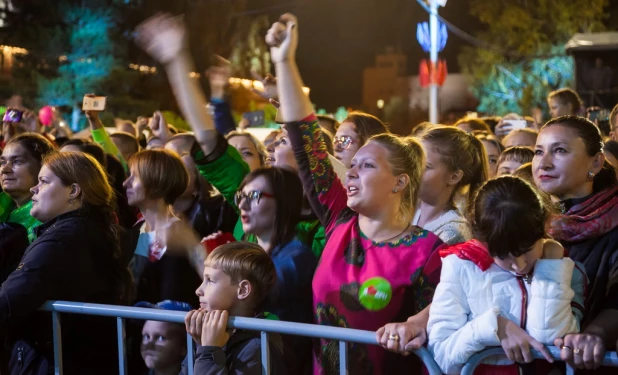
[(517, 343), (581, 350), (403, 338)]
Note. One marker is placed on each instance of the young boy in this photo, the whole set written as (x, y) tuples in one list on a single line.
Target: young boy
[(163, 345), (237, 278)]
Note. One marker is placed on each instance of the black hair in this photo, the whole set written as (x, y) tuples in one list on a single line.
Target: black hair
[(509, 216), (288, 191)]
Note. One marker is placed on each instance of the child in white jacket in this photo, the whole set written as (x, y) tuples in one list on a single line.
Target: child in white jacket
[(510, 287)]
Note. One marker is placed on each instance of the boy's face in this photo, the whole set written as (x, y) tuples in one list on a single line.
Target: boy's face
[(523, 264), (163, 345), (217, 291)]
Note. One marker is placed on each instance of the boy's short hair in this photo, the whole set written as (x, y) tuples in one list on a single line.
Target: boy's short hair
[(518, 154), (245, 261)]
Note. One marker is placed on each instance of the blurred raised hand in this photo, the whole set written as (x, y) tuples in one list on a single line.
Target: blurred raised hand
[(219, 77), (163, 37)]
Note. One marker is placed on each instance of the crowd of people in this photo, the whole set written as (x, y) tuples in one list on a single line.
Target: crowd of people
[(458, 237)]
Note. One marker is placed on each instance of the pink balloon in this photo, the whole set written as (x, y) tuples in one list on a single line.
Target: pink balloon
[(46, 115)]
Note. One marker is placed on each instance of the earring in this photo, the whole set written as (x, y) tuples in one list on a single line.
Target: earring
[(395, 190), (590, 176), (71, 201)]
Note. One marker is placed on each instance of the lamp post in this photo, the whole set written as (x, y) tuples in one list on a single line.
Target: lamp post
[(433, 57)]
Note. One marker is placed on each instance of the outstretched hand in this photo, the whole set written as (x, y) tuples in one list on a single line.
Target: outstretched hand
[(163, 37), (282, 38)]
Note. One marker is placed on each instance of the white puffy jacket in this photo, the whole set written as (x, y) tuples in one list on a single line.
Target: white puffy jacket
[(466, 304)]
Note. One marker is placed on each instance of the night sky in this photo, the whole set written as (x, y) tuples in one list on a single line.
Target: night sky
[(339, 38)]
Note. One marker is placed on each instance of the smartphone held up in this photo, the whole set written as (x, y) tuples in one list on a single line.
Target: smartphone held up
[(94, 103), (12, 115)]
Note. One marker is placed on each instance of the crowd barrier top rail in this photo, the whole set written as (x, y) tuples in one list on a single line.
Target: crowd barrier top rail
[(253, 324), (610, 359)]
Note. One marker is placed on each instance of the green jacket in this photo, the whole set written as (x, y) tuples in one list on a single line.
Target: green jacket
[(9, 213), (226, 171)]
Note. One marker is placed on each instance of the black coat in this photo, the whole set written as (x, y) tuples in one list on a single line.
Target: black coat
[(70, 260)]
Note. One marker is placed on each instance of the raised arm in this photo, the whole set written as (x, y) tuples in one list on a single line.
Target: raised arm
[(164, 38), (100, 136), (219, 77), (325, 191)]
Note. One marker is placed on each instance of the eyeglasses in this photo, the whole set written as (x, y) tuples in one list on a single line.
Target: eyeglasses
[(344, 141), (252, 196)]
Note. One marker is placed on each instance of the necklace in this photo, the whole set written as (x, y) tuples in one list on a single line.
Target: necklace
[(392, 238)]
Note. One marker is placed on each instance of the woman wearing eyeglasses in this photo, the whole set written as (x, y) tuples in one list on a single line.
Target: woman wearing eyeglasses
[(353, 133), (270, 200)]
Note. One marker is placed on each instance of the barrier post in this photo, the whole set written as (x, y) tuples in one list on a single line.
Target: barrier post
[(190, 357), (122, 352), (265, 350), (57, 332), (343, 358)]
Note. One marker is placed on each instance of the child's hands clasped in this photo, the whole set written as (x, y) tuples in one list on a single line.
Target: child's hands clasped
[(208, 328), (194, 322), (516, 342), (214, 328)]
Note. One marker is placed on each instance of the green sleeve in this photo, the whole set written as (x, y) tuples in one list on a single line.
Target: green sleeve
[(103, 139), (312, 233), (225, 173), (239, 233), (6, 206), (21, 215)]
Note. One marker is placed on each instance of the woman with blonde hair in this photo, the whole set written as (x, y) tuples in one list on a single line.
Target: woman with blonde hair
[(376, 267)]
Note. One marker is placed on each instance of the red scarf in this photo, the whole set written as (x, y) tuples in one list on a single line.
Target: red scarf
[(473, 251), (593, 218)]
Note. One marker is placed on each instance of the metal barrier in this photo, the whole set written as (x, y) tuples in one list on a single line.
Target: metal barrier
[(610, 359), (343, 335)]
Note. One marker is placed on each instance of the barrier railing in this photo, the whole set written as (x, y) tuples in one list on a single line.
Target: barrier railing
[(343, 335), (610, 359)]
